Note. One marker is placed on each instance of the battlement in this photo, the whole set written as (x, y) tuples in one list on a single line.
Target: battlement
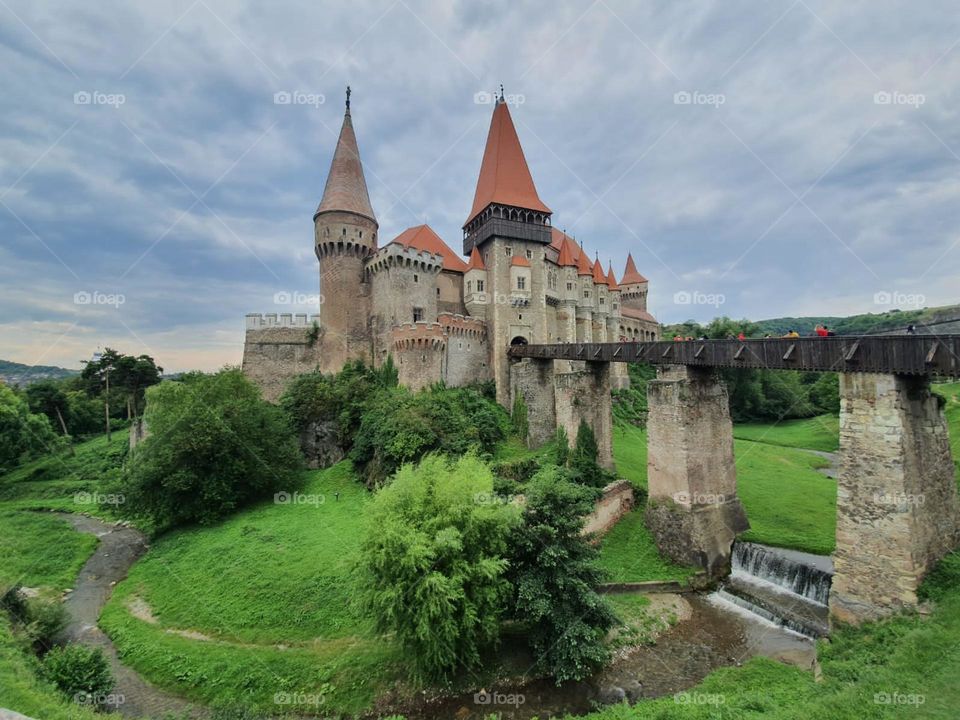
[(397, 255), (258, 321), (418, 335), (461, 325)]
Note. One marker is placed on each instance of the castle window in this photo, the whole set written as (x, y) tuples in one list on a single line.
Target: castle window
[(586, 293), (418, 314), (569, 286), (344, 231), (479, 285), (602, 301), (416, 278), (509, 251), (469, 287), (529, 254), (438, 291), (519, 316), (521, 283), (361, 234)]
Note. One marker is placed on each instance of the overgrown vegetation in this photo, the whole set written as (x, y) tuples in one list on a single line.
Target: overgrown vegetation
[(214, 446), (81, 673)]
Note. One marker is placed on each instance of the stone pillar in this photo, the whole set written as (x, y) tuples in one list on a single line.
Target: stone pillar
[(534, 380), (897, 510), (693, 509), (585, 395)]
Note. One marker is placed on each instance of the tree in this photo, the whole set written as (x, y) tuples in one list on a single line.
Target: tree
[(23, 435), (47, 397), (214, 446), (562, 456), (519, 417), (554, 572), (433, 563), (129, 377), (583, 459)]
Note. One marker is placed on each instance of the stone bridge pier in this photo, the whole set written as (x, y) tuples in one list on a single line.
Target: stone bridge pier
[(693, 510), (563, 399), (897, 508)]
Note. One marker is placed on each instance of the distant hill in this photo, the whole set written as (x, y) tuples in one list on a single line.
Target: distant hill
[(14, 373)]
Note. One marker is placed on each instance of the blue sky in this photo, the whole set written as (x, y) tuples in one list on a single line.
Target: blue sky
[(757, 158)]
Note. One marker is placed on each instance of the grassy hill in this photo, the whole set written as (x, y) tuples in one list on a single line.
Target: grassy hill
[(869, 323), (14, 373)]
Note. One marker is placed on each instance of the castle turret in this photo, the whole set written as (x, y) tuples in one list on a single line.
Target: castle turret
[(345, 228), (633, 287)]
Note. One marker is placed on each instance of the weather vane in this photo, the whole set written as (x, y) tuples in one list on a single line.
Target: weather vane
[(501, 92), (348, 97)]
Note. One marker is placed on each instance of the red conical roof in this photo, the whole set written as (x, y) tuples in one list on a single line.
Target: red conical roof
[(476, 260), (583, 264), (611, 278), (504, 175), (346, 188), (630, 274), (566, 253), (422, 237), (598, 277)]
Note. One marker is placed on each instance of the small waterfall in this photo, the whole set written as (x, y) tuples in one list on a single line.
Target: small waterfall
[(785, 587)]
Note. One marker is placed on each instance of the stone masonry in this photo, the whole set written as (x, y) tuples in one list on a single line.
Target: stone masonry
[(693, 510), (897, 508)]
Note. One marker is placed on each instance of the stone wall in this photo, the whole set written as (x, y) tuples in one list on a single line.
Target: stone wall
[(585, 395), (693, 512), (468, 352), (534, 380), (616, 501), (274, 354), (419, 350), (897, 509)]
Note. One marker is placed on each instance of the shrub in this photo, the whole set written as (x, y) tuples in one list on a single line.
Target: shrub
[(214, 446), (562, 456), (519, 418), (554, 572), (78, 671), (583, 459), (518, 471), (23, 434), (432, 563)]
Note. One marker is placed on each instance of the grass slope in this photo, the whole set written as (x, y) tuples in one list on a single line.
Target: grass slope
[(629, 554), (816, 433)]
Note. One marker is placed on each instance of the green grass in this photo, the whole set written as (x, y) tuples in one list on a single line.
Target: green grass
[(273, 575), (629, 554), (951, 392), (630, 453), (906, 655), (816, 433), (40, 550), (22, 690)]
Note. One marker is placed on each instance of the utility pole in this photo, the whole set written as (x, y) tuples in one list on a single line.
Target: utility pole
[(106, 401)]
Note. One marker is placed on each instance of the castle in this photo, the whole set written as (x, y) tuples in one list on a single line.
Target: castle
[(442, 318)]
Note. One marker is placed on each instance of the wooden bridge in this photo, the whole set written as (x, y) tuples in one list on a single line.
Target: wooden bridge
[(899, 354)]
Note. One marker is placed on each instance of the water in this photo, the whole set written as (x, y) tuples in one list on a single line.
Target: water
[(784, 587)]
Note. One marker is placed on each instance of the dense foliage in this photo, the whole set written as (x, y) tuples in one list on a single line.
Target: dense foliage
[(214, 446), (554, 572), (433, 563), (23, 434), (82, 673), (129, 377), (584, 467)]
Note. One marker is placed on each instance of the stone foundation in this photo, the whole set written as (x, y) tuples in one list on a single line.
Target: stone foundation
[(897, 508), (534, 380), (694, 512)]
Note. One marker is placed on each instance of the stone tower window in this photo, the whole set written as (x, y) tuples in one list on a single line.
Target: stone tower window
[(586, 293), (416, 278), (418, 314), (344, 231), (438, 291), (509, 251), (602, 301), (521, 283), (479, 285), (469, 286), (569, 286), (529, 254)]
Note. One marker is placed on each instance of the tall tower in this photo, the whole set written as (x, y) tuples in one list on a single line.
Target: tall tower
[(345, 233), (633, 287), (510, 226)]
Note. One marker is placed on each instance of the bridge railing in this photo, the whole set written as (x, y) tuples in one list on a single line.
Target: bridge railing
[(900, 354)]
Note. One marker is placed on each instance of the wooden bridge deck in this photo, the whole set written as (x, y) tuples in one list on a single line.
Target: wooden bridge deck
[(900, 354)]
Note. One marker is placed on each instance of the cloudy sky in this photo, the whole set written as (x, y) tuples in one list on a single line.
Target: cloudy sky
[(759, 159)]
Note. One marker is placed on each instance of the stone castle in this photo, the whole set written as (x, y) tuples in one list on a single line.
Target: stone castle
[(440, 317)]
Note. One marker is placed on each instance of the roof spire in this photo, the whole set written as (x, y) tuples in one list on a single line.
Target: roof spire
[(501, 93), (346, 188), (348, 99)]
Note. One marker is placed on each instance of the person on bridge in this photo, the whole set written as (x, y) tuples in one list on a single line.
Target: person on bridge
[(741, 336), (911, 329), (792, 334), (821, 331)]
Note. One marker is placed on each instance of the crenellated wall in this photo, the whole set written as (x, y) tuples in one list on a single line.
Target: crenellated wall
[(278, 347), (468, 350), (419, 350)]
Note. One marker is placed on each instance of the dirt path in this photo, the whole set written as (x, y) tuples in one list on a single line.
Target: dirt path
[(118, 549), (833, 457)]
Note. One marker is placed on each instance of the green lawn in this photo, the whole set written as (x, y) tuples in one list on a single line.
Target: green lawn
[(951, 392), (270, 590), (630, 453), (629, 554), (39, 550), (816, 433)]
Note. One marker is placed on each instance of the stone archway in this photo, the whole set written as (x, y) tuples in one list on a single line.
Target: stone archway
[(519, 340)]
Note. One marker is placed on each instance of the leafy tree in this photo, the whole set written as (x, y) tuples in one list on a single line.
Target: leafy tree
[(23, 435), (519, 417), (47, 397), (432, 563), (554, 572), (562, 456), (130, 376), (214, 446), (583, 460)]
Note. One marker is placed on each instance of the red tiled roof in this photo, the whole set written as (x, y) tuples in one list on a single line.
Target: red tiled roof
[(422, 237), (346, 188), (636, 314), (583, 263), (598, 277), (611, 278), (519, 261), (630, 274), (566, 254), (476, 260), (504, 175)]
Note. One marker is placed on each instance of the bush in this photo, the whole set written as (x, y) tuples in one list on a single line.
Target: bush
[(519, 418), (214, 446), (583, 460), (78, 671), (554, 572), (432, 563), (23, 435)]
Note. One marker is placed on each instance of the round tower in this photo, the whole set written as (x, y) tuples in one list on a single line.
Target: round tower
[(345, 235)]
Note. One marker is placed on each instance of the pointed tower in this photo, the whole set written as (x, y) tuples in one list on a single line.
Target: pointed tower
[(510, 226), (345, 231), (633, 287)]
